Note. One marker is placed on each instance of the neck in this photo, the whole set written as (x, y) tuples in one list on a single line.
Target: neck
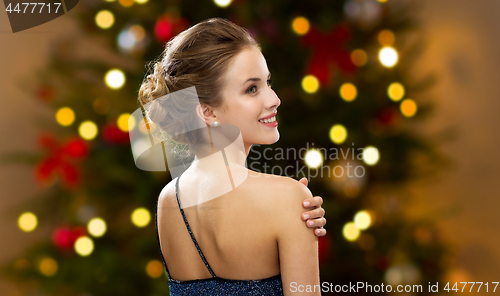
[(234, 151)]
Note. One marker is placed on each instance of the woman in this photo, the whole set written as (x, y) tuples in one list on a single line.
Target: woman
[(244, 225)]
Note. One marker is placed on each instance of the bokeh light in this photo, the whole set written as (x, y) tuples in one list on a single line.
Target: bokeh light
[(300, 25), (115, 78), (222, 3), (104, 19), (388, 56), (348, 92), (126, 122), (359, 57), (65, 116), (140, 217), (386, 37), (338, 134), (27, 221), (310, 84), (96, 227), (408, 107), (350, 231), (48, 266), (138, 32), (154, 269), (84, 246), (313, 158), (87, 130), (396, 91), (370, 155), (126, 3), (362, 220), (141, 1)]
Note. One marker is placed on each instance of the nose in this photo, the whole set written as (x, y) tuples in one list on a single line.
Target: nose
[(272, 101)]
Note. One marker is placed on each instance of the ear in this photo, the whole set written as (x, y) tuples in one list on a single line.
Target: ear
[(206, 113)]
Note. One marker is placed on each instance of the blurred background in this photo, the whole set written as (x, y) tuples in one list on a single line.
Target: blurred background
[(411, 82)]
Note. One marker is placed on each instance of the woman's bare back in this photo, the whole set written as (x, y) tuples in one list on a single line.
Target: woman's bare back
[(234, 231)]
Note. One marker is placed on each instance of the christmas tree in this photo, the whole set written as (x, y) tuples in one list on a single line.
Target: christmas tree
[(350, 105)]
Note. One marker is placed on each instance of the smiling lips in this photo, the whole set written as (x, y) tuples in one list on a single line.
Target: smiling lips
[(269, 120)]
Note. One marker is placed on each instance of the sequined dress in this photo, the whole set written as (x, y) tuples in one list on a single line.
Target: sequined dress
[(215, 285)]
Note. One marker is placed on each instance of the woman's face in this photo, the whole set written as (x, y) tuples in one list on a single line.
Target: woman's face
[(248, 98)]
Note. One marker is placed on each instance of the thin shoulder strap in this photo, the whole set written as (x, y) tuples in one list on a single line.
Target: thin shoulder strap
[(158, 239), (189, 229)]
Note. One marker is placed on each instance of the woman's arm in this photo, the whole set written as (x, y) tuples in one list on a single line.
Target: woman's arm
[(298, 247), (315, 214)]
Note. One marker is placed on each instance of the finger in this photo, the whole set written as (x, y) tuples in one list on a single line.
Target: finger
[(313, 214), (315, 201), (320, 222), (304, 181), (320, 231)]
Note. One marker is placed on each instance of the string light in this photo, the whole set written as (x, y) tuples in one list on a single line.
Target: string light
[(359, 57), (348, 92), (222, 3), (96, 227), (396, 91), (362, 220), (350, 231), (48, 267), (408, 107), (126, 122), (115, 78), (386, 37), (87, 130), (126, 3), (313, 158), (154, 269), (65, 116), (338, 134), (138, 32), (388, 56), (310, 84), (300, 25), (370, 155), (27, 221), (140, 217), (84, 246), (104, 19)]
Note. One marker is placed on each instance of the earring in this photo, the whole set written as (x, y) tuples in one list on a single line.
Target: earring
[(215, 124)]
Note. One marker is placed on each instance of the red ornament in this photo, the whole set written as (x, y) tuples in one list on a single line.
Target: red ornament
[(168, 26), (388, 116), (76, 147), (114, 135), (65, 237), (46, 93), (324, 248), (58, 161), (328, 51)]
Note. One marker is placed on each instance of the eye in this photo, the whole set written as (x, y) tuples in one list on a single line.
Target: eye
[(269, 82), (252, 87)]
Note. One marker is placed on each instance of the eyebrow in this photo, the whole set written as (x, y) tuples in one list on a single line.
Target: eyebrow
[(256, 79)]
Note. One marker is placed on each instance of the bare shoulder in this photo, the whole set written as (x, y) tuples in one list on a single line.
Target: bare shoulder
[(282, 190), (167, 194)]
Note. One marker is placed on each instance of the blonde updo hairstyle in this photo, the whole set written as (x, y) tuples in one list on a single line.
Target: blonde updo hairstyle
[(198, 56)]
